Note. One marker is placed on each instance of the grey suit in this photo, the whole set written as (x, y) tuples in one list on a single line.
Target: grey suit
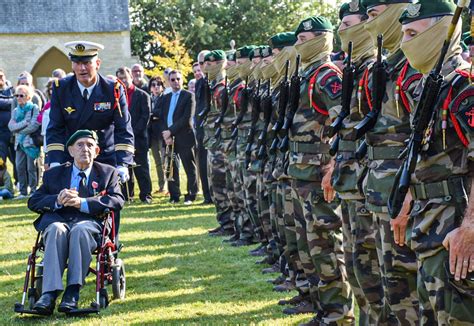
[(69, 235)]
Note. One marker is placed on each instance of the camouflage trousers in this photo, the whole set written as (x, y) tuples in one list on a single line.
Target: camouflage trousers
[(251, 200), (443, 300), (263, 206), (295, 269), (217, 176), (323, 229), (362, 264), (398, 268), (276, 219), (242, 225)]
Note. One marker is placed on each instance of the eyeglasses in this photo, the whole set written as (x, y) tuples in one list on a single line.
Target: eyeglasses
[(156, 84), (20, 95), (175, 79)]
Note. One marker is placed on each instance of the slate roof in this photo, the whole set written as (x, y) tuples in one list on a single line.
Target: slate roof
[(63, 16)]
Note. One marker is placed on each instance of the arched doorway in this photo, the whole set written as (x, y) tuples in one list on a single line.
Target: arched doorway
[(50, 60)]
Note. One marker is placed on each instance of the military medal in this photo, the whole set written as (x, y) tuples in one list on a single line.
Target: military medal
[(69, 110)]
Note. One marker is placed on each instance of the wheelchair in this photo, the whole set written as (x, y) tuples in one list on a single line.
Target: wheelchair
[(108, 270)]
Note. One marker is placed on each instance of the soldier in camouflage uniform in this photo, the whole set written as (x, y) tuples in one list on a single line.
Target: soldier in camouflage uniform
[(358, 230), (243, 228), (244, 64), (214, 68), (308, 162), (443, 180), (385, 142)]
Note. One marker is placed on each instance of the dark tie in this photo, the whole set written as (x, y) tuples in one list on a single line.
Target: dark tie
[(83, 192), (85, 94)]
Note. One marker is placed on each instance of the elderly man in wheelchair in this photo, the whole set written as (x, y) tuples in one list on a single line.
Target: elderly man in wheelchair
[(70, 201)]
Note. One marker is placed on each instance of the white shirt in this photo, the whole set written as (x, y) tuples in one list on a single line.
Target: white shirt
[(89, 89)]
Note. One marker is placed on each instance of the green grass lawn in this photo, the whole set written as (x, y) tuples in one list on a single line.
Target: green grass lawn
[(176, 273)]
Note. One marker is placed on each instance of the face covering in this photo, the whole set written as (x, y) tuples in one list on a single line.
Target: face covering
[(215, 70), (279, 63), (245, 69), (387, 24), (315, 49), (257, 71), (269, 72), (233, 72), (362, 45), (431, 41)]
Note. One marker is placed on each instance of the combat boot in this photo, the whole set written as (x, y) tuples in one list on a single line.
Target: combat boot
[(304, 307), (274, 269), (293, 301), (233, 238), (260, 251), (286, 286), (279, 280)]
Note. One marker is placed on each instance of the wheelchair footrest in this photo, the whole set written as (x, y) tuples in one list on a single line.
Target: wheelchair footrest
[(94, 309), (19, 308)]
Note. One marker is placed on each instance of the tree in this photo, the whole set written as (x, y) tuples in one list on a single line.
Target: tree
[(213, 24)]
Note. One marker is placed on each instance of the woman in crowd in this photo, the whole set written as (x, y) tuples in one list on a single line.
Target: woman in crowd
[(23, 123), (156, 87)]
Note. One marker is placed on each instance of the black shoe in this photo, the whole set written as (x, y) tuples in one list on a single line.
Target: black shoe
[(267, 260), (207, 202), (222, 233), (46, 303), (147, 200), (242, 242), (259, 252), (233, 238), (174, 201), (70, 299), (277, 281)]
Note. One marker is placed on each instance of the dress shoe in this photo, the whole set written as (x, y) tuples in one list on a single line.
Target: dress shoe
[(174, 201), (233, 238), (147, 200), (242, 242), (304, 307), (46, 303), (293, 301), (286, 286), (70, 299)]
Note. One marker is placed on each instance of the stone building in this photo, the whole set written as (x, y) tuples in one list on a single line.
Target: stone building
[(33, 33)]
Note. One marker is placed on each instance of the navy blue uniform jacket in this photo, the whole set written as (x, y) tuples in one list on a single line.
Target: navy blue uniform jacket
[(104, 192), (70, 112)]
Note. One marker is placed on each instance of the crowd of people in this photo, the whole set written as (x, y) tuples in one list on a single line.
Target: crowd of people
[(301, 150)]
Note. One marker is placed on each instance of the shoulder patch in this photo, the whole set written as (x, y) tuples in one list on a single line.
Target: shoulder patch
[(56, 82), (332, 86), (463, 107)]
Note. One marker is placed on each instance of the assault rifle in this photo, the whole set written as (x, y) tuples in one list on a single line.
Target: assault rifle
[(282, 103), (225, 104), (255, 115), (293, 106), (267, 115), (422, 120), (379, 81), (244, 106), (347, 89)]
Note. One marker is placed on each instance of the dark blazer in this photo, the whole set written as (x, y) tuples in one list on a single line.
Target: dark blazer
[(182, 128), (140, 110), (156, 123), (6, 100), (106, 195), (69, 113)]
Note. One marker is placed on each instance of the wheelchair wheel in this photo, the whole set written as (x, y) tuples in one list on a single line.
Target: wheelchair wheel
[(118, 279)]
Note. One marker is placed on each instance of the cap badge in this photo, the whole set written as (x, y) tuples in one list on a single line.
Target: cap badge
[(413, 10), (80, 48), (354, 6), (307, 25)]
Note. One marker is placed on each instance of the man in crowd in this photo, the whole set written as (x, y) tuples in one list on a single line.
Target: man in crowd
[(177, 113), (69, 208), (6, 102), (139, 105), (201, 82), (139, 78), (87, 100)]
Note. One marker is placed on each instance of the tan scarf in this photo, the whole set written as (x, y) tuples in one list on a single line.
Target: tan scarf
[(279, 63), (387, 24), (315, 49), (245, 69), (215, 70), (232, 73), (431, 41), (269, 72), (257, 71), (362, 44)]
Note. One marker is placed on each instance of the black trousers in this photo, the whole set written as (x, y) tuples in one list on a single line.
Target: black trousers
[(184, 156), (142, 173), (202, 163)]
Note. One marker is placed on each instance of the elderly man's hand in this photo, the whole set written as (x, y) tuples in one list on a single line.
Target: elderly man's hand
[(67, 194), (460, 243), (73, 202)]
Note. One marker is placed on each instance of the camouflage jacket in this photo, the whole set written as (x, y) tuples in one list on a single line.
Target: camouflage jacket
[(256, 165), (321, 89), (390, 132), (245, 125), (349, 172), (230, 115), (217, 91), (271, 159)]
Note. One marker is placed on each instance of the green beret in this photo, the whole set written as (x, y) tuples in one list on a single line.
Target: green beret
[(215, 55), (244, 51), (265, 51), (372, 3), (82, 133), (255, 52), (314, 24), (427, 9), (230, 55), (352, 8), (281, 40)]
